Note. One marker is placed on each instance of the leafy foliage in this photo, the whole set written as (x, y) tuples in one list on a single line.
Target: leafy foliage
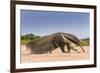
[(85, 42), (27, 38)]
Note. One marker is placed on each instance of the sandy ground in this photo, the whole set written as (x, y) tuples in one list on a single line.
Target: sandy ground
[(57, 55)]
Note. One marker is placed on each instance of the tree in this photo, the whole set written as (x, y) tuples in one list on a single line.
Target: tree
[(29, 37)]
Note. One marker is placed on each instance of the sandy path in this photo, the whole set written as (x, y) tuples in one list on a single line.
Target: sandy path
[(57, 55)]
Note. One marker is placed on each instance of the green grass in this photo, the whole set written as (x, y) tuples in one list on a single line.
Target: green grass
[(85, 42), (24, 42), (27, 38)]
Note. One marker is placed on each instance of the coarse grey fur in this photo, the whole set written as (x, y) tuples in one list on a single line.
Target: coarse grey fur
[(51, 42)]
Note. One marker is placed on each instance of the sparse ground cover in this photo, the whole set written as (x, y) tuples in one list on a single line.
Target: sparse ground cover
[(57, 55)]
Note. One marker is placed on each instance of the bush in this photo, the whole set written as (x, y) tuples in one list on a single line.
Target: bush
[(27, 38), (24, 42), (85, 42)]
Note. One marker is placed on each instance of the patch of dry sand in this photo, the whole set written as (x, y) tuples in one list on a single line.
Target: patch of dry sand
[(57, 55)]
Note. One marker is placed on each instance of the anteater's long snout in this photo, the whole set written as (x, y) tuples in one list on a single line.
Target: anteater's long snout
[(82, 48)]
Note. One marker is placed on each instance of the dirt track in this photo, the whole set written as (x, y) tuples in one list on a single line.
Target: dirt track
[(57, 55)]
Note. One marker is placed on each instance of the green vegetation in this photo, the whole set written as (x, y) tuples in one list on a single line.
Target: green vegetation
[(85, 42), (27, 38), (24, 42)]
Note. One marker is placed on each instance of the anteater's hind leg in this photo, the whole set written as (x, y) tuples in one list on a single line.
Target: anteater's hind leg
[(63, 49), (68, 47)]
